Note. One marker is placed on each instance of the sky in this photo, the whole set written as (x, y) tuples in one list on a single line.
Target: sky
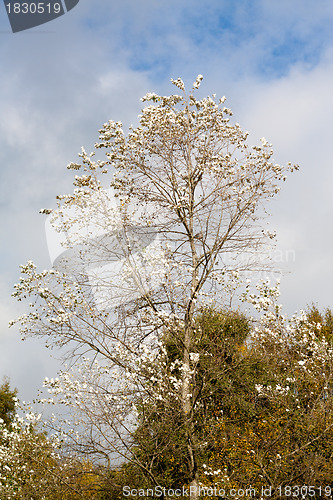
[(62, 80)]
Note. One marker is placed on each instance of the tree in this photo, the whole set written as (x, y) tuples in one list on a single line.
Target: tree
[(7, 402), (221, 382), (287, 439), (323, 322), (32, 464), (190, 195), (264, 417)]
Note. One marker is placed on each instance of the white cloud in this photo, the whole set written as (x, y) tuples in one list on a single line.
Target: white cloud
[(294, 113)]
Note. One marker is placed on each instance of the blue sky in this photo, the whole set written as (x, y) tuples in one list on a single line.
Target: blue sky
[(275, 36), (61, 81)]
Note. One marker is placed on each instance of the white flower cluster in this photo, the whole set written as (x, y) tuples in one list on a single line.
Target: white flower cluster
[(20, 451), (271, 391), (197, 82), (300, 350), (221, 477), (194, 356)]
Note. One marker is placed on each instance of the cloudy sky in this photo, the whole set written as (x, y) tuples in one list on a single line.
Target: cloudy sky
[(61, 81)]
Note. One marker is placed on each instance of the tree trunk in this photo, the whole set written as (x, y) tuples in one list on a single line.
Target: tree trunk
[(188, 416)]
